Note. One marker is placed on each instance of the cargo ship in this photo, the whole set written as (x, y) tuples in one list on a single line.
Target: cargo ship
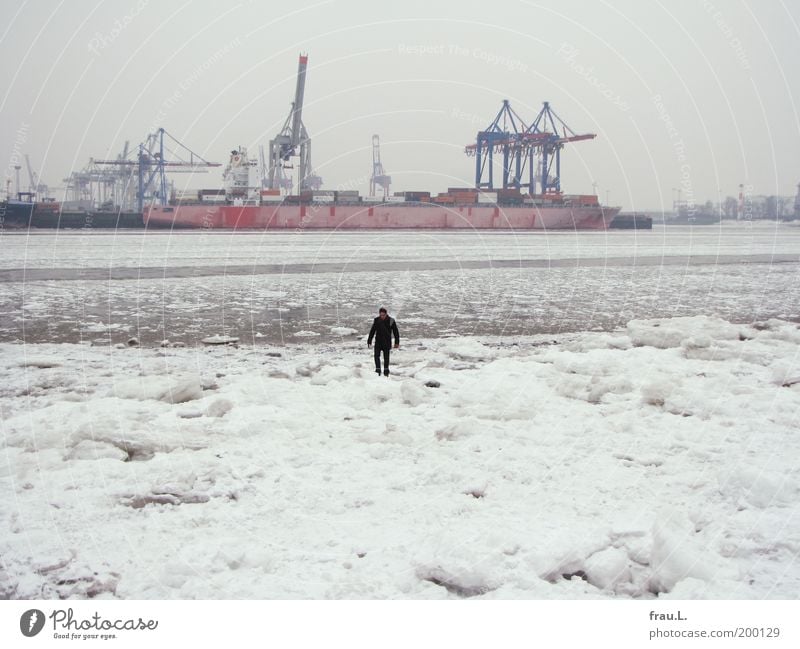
[(54, 215), (239, 205), (26, 212), (16, 213)]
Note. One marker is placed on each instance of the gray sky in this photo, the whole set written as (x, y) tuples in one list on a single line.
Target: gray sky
[(703, 94)]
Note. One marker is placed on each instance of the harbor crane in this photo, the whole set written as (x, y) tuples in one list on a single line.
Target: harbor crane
[(159, 154), (34, 186), (293, 140), (379, 177), (533, 150)]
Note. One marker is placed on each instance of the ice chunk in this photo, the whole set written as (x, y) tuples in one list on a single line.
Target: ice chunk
[(676, 554), (219, 408), (607, 568), (171, 389), (216, 339), (465, 349), (41, 362), (331, 373), (88, 449), (671, 332), (462, 582), (657, 391), (344, 331), (412, 393)]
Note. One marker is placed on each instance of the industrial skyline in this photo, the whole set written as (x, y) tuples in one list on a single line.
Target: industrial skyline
[(689, 101)]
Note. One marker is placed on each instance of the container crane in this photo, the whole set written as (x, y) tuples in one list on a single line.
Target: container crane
[(546, 125), (159, 154), (379, 177), (293, 140), (521, 145), (504, 135)]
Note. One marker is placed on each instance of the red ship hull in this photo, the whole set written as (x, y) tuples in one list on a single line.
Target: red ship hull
[(379, 216)]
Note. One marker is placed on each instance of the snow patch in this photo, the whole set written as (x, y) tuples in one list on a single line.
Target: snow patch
[(759, 488)]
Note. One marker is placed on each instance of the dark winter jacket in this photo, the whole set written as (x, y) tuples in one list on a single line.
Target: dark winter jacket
[(382, 331)]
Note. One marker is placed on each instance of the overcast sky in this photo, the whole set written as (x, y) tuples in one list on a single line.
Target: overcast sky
[(692, 93)]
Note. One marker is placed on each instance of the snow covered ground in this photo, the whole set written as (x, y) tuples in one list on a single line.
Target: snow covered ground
[(660, 459)]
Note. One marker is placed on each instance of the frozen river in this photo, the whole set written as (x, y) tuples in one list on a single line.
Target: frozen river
[(302, 286)]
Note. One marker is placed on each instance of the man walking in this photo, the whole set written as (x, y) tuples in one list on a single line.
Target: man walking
[(383, 328)]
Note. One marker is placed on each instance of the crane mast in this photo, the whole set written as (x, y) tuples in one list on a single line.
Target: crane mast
[(379, 177)]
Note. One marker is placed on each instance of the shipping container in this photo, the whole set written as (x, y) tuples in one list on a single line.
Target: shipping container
[(509, 192), (348, 197), (464, 197)]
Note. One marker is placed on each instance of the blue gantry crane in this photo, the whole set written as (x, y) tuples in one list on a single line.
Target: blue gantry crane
[(531, 154), (159, 154)]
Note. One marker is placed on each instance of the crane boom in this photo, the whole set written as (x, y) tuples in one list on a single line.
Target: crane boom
[(297, 108)]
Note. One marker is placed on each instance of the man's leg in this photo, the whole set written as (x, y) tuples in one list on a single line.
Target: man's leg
[(378, 359), (386, 362)]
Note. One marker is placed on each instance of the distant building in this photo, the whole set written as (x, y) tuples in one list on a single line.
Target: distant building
[(797, 203)]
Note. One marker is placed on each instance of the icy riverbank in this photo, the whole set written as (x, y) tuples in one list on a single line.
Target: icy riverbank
[(660, 459)]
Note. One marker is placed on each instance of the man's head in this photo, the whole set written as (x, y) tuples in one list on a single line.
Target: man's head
[(382, 313)]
